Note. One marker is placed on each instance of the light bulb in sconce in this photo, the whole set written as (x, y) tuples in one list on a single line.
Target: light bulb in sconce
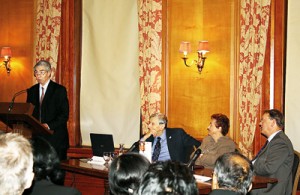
[(185, 48), (203, 48), (6, 54)]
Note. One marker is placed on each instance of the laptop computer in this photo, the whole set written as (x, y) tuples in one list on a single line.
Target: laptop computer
[(101, 143)]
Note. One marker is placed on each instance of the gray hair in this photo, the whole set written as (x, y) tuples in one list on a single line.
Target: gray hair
[(234, 172), (43, 63), (162, 119), (15, 163)]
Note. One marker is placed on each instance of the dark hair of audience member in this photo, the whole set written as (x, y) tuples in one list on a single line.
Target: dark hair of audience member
[(46, 162), (172, 178), (234, 172), (126, 172)]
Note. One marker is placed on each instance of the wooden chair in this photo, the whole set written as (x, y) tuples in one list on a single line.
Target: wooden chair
[(296, 172)]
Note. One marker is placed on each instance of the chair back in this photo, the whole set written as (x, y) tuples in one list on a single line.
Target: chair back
[(296, 172)]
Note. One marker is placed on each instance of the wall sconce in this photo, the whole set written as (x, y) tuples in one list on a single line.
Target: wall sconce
[(185, 48), (6, 54)]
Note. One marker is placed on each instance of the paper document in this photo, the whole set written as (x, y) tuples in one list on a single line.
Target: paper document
[(146, 149), (97, 160), (202, 178)]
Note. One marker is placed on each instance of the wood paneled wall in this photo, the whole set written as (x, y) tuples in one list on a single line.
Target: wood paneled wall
[(193, 97), (16, 21)]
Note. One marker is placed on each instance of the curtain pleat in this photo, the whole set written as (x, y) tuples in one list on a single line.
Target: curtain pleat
[(150, 57), (254, 22)]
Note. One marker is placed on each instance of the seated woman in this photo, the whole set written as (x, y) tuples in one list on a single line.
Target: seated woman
[(48, 177), (126, 172), (216, 143)]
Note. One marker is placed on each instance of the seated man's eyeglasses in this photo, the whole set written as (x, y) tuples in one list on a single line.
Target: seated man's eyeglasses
[(41, 72)]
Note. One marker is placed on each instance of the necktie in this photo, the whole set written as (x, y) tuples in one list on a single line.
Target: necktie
[(156, 150), (42, 96), (41, 101), (262, 148)]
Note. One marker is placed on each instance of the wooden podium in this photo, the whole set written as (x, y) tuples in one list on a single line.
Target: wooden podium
[(20, 120)]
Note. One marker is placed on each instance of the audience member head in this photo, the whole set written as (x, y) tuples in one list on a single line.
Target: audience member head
[(271, 121), (222, 121), (46, 162), (158, 122), (16, 163), (126, 172), (233, 172), (168, 177)]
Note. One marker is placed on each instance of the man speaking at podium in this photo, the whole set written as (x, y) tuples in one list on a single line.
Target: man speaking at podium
[(51, 107)]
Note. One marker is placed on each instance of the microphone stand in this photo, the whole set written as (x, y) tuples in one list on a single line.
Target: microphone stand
[(133, 147), (192, 161), (11, 105)]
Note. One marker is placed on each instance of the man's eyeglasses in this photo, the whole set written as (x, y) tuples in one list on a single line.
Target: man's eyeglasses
[(41, 72)]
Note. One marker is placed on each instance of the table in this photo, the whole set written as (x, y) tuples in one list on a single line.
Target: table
[(78, 166)]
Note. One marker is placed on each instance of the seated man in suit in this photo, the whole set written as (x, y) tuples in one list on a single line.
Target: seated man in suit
[(168, 177), (232, 175), (277, 156), (16, 162), (168, 143)]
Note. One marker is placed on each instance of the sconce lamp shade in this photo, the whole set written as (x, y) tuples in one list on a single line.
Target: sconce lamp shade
[(185, 47), (203, 46), (5, 52)]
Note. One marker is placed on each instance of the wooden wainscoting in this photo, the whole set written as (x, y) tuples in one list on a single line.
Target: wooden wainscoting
[(87, 185), (80, 152)]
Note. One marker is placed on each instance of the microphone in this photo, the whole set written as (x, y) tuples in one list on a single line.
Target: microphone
[(11, 105), (194, 158), (134, 146)]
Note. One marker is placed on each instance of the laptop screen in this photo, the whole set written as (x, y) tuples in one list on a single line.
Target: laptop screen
[(101, 143)]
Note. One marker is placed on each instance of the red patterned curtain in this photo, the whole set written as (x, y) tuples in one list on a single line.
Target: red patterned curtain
[(48, 22), (150, 54), (254, 20)]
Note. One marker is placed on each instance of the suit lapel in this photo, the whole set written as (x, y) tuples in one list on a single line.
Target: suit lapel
[(37, 95), (270, 143), (48, 93), (170, 142)]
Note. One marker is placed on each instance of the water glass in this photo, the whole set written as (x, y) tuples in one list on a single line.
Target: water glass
[(106, 157)]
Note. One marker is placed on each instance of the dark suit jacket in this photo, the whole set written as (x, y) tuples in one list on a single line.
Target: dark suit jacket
[(180, 144), (55, 112), (45, 187), (276, 160)]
